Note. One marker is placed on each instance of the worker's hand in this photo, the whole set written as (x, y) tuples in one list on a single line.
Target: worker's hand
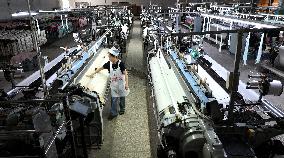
[(126, 87)]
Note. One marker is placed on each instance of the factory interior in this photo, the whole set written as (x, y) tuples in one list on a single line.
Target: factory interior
[(141, 79)]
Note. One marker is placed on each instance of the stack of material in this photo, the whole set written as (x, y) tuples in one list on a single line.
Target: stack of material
[(83, 22), (41, 37), (19, 58), (70, 27), (75, 23), (56, 30), (14, 25), (13, 42)]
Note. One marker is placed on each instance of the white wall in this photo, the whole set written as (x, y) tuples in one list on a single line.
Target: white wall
[(7, 7), (67, 4)]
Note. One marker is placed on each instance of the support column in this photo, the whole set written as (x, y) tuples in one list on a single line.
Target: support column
[(229, 39), (245, 55), (208, 24), (66, 22), (221, 41), (259, 53), (216, 36), (209, 29), (62, 23), (203, 27), (235, 79), (204, 24), (37, 25), (177, 23)]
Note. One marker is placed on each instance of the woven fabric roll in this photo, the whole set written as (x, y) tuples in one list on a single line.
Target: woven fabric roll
[(100, 80)]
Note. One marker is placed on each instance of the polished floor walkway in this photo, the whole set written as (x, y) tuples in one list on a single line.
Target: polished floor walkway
[(135, 49), (127, 136)]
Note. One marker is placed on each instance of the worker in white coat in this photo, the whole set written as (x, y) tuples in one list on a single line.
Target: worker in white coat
[(119, 82)]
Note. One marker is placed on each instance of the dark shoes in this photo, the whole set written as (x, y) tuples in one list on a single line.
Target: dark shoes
[(110, 117)]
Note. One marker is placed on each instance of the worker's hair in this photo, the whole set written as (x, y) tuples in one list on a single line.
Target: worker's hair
[(113, 55)]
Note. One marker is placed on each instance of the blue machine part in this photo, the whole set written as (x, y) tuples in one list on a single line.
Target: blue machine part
[(77, 65), (67, 76), (191, 81)]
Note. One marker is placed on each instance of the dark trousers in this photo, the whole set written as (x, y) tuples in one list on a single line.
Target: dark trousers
[(114, 104)]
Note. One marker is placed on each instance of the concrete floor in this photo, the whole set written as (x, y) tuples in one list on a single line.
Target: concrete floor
[(135, 53)]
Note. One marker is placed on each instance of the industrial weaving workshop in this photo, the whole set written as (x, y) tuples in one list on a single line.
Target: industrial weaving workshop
[(141, 79)]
